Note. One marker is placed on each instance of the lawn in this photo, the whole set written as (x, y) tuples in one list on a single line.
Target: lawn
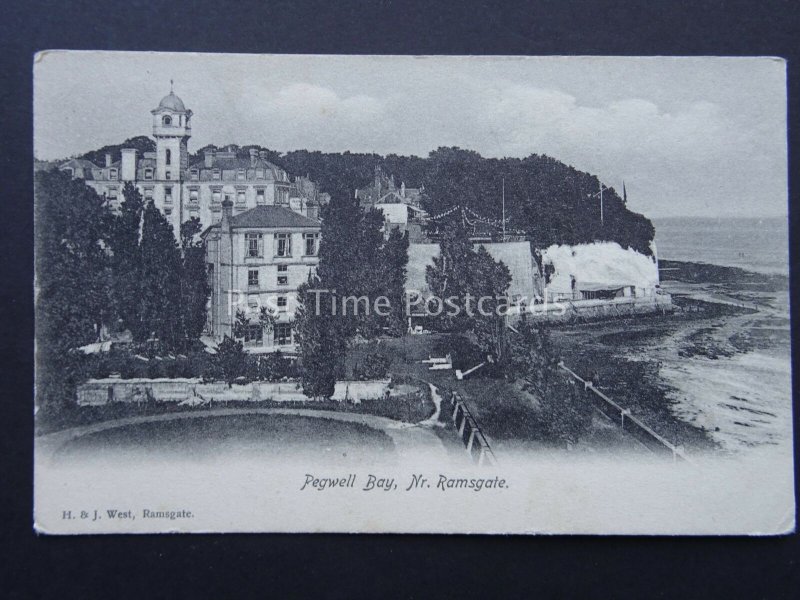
[(253, 435)]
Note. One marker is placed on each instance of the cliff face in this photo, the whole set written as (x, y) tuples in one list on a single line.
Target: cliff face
[(601, 265)]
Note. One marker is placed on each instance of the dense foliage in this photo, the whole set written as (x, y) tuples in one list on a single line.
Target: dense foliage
[(547, 201), (142, 143), (472, 287), (96, 269), (356, 261), (72, 271)]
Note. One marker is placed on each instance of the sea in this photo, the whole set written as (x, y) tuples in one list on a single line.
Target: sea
[(760, 245), (743, 400)]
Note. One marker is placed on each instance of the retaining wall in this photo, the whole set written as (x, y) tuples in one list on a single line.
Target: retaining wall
[(96, 392), (566, 311)]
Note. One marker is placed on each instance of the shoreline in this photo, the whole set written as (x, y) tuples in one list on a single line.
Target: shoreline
[(730, 328)]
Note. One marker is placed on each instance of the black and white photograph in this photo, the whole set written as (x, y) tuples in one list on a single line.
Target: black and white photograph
[(411, 294)]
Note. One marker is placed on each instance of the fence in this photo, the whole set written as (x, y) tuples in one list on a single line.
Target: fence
[(470, 433), (623, 417)]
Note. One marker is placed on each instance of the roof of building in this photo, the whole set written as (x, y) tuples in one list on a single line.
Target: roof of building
[(270, 217), (224, 163), (172, 102), (79, 162)]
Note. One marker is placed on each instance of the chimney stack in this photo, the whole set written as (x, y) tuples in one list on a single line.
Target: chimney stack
[(108, 159), (262, 154), (209, 158), (128, 164), (253, 157), (227, 213)]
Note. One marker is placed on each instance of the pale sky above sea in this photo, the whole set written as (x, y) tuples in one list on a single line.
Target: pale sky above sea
[(689, 136)]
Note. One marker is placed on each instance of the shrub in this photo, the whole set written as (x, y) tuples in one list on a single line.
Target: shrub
[(375, 366)]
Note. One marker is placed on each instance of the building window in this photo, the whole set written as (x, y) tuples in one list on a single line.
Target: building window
[(167, 211), (148, 193), (216, 196), (148, 173), (252, 278), (311, 243), (253, 333), (215, 174), (70, 171), (195, 174), (241, 198), (282, 196), (194, 196), (169, 156), (253, 245), (260, 196), (283, 244), (282, 302), (259, 173), (168, 175), (112, 194), (282, 334), (112, 173), (240, 174), (167, 120), (168, 194), (283, 274)]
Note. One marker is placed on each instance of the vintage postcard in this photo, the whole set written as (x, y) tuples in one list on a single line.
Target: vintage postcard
[(411, 294)]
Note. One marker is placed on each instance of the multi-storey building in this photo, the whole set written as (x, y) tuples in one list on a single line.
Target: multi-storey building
[(183, 189), (258, 259), (400, 206)]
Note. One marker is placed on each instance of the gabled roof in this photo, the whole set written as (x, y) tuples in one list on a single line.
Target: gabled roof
[(79, 162), (270, 217)]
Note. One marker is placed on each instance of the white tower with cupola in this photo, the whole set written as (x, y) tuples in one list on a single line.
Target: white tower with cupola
[(172, 129)]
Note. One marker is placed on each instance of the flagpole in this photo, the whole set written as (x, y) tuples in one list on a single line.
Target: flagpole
[(504, 209), (601, 203)]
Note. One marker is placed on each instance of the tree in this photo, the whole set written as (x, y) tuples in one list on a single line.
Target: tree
[(392, 273), (160, 283), (195, 288), (321, 344), (231, 359), (240, 324), (267, 320), (141, 143), (71, 281), (126, 258), (490, 281), (449, 277)]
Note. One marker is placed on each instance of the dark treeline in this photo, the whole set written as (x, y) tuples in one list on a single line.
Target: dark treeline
[(547, 201)]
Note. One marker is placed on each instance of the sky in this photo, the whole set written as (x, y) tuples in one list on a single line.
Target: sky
[(699, 136)]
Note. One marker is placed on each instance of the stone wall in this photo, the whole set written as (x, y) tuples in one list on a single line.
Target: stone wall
[(97, 392)]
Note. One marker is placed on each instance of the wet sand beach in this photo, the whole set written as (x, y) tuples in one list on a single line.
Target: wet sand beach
[(715, 374)]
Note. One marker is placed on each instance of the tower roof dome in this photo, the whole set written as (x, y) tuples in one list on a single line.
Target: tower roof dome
[(172, 102)]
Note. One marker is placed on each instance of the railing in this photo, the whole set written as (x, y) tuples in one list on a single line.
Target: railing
[(630, 424), (470, 433)]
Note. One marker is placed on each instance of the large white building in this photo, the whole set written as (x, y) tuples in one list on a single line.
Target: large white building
[(182, 189), (258, 259)]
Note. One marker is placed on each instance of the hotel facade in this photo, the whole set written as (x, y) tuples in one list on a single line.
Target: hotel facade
[(181, 189)]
